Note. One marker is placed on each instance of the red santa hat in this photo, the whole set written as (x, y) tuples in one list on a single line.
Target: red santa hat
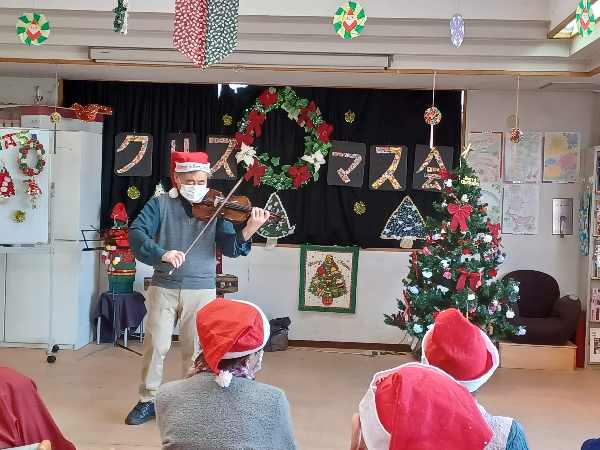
[(230, 329), (182, 162), (461, 349), (419, 407), (119, 212)]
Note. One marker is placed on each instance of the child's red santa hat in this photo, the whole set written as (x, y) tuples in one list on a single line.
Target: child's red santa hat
[(230, 329), (119, 212), (461, 349), (182, 162), (419, 407)]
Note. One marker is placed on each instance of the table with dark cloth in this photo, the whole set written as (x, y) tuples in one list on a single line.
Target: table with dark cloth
[(118, 311)]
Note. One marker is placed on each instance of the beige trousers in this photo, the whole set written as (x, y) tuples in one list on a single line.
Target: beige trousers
[(165, 307)]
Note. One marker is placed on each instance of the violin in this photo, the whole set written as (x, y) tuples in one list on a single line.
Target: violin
[(237, 209)]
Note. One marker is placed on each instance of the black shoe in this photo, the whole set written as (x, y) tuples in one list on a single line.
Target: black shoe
[(142, 412)]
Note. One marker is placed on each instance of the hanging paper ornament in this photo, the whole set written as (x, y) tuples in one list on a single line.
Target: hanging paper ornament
[(457, 30), (584, 16), (7, 186), (350, 116), (515, 135), (121, 16), (19, 216), (133, 192), (227, 120), (360, 208), (159, 190), (33, 191), (349, 20), (433, 116), (33, 28), (55, 117)]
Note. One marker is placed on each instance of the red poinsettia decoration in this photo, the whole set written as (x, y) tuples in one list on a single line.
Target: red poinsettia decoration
[(7, 186), (247, 139), (299, 174), (255, 172), (255, 122), (304, 119), (324, 130), (494, 229), (267, 98), (493, 272)]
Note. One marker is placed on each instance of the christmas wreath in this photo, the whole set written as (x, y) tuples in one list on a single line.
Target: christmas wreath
[(32, 144), (266, 168)]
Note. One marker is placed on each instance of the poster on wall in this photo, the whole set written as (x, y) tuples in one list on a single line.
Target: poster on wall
[(429, 161), (523, 160), (133, 156), (485, 156), (491, 194), (594, 345), (346, 164), (221, 154), (520, 209), (387, 167), (328, 279), (561, 157)]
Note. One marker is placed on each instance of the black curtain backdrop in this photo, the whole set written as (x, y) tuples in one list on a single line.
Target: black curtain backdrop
[(322, 214)]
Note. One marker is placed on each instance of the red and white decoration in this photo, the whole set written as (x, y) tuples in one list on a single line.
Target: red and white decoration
[(182, 162), (7, 185), (189, 35), (33, 191)]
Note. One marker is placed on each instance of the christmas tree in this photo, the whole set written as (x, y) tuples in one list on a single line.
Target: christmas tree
[(328, 283), (457, 267), (276, 229), (405, 224)]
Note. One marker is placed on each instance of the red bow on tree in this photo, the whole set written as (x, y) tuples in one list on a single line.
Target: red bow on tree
[(267, 98), (255, 172), (444, 174), (299, 175), (247, 139), (303, 118), (255, 122), (494, 229), (324, 130), (460, 215), (473, 277)]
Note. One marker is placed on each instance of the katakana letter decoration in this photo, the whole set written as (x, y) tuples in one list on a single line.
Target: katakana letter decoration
[(221, 153), (387, 168), (133, 154), (429, 162), (346, 164)]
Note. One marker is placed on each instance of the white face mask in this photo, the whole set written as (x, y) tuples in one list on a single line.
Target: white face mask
[(193, 193)]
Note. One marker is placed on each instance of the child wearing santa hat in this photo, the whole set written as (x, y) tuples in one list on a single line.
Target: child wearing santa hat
[(219, 406), (465, 352), (418, 407), (163, 229)]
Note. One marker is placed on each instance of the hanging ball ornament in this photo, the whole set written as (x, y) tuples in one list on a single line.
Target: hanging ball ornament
[(457, 30), (433, 116), (360, 208), (55, 117), (133, 192), (19, 216), (515, 135), (350, 116), (227, 120), (33, 28)]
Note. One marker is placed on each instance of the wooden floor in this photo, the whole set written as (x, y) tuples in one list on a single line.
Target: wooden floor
[(89, 392)]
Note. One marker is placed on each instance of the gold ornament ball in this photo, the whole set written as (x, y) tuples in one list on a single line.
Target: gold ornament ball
[(55, 117), (350, 116), (360, 208), (19, 216), (227, 120), (133, 192)]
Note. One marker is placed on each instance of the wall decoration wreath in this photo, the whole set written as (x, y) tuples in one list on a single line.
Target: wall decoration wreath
[(266, 168), (35, 145)]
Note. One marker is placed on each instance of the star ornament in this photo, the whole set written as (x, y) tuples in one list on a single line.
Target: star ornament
[(466, 151)]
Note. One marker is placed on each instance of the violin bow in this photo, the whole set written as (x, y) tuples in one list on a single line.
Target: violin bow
[(211, 220)]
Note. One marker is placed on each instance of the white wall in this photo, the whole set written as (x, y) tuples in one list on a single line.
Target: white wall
[(542, 111), (21, 91)]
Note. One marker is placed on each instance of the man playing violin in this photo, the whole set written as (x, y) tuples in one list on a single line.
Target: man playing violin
[(165, 227)]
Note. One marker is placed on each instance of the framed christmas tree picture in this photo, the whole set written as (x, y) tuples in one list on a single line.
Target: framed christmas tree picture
[(328, 279)]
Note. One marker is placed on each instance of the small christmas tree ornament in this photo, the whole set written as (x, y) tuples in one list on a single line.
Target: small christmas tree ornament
[(328, 282), (33, 191), (121, 17), (584, 16), (55, 117), (133, 192), (350, 116), (7, 185), (227, 120), (457, 30), (406, 224), (19, 216), (33, 28), (360, 208), (159, 190), (276, 229), (349, 20)]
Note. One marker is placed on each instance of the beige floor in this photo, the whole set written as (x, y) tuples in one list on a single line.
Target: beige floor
[(89, 392)]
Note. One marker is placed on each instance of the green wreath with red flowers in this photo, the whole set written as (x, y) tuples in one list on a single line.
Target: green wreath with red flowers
[(266, 169), (38, 148)]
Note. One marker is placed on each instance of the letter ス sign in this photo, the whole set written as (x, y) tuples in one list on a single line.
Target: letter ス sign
[(133, 157), (346, 164), (221, 154), (387, 167)]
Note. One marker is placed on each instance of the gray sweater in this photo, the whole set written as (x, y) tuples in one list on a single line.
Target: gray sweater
[(167, 224), (197, 414)]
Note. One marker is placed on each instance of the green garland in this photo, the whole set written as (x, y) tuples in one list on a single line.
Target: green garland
[(316, 141)]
